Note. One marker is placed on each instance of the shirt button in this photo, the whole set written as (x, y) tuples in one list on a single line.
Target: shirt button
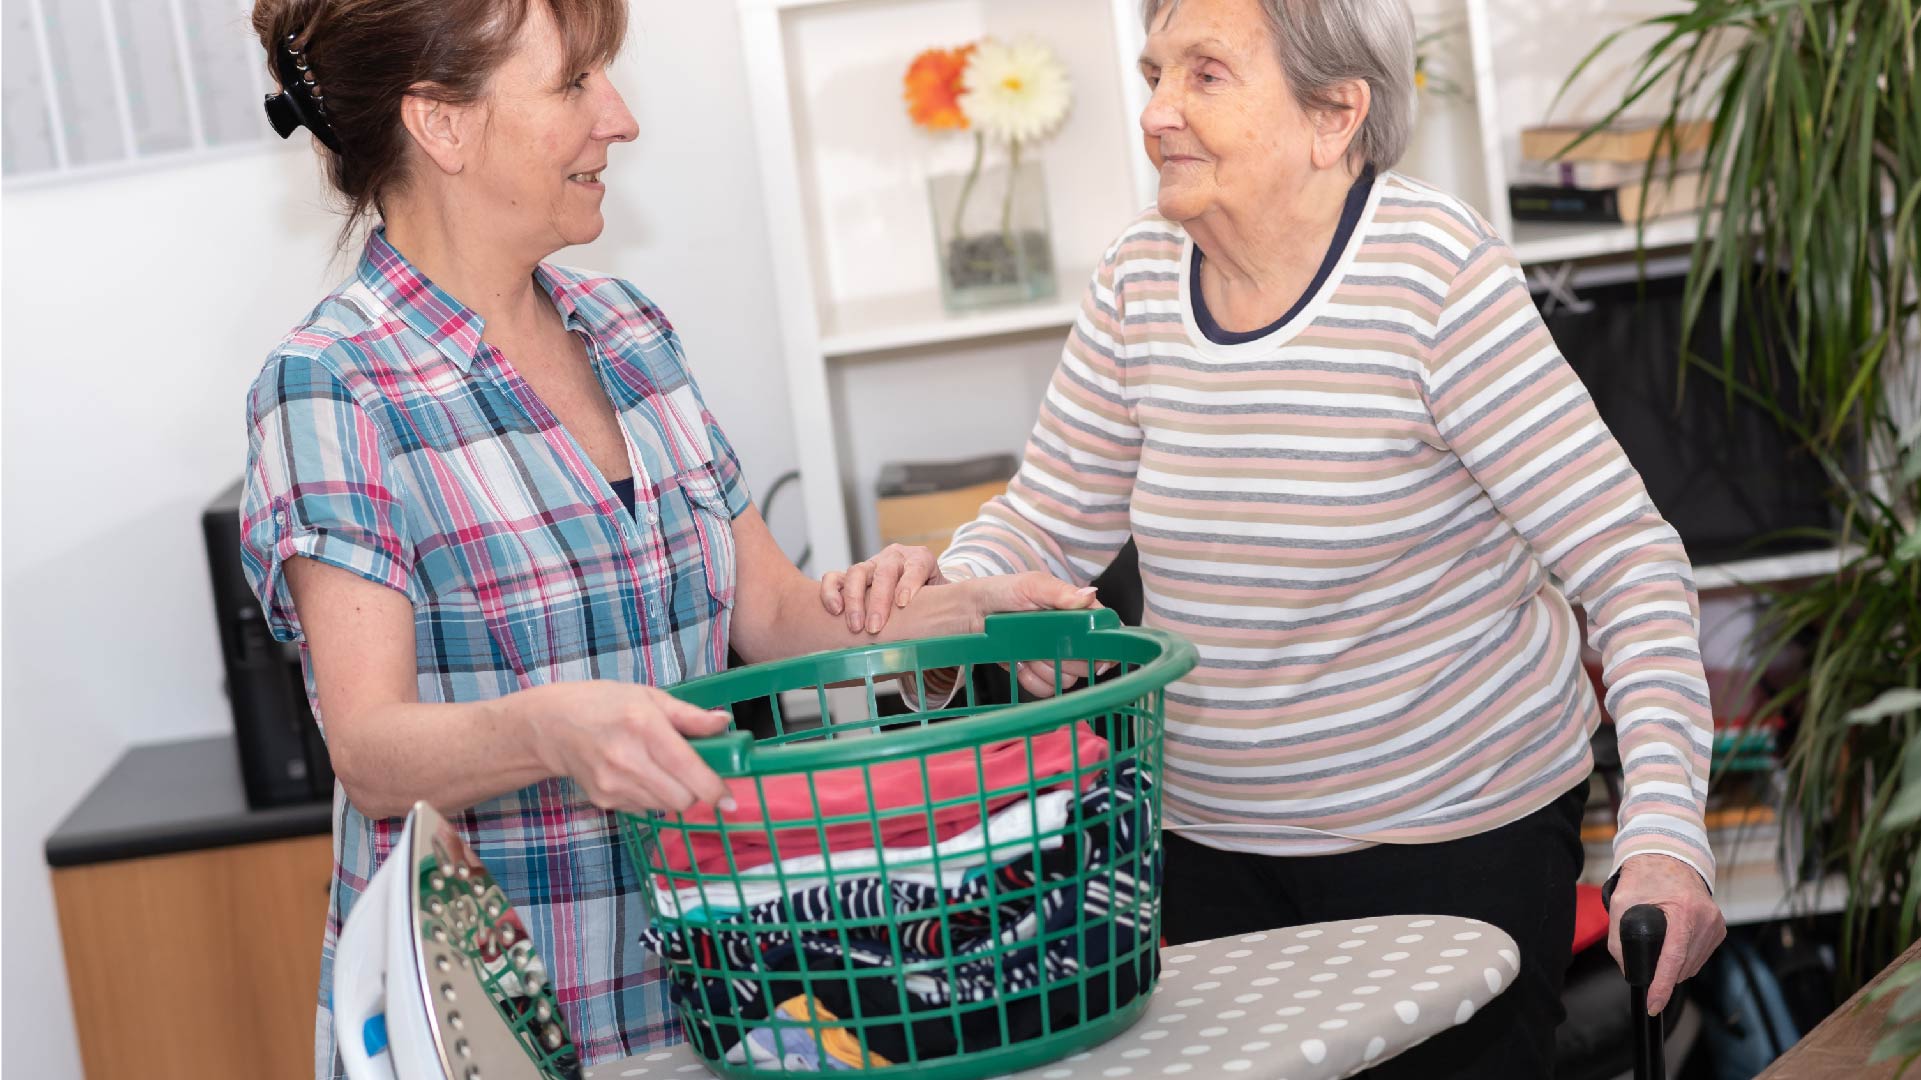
[(280, 517), (653, 517)]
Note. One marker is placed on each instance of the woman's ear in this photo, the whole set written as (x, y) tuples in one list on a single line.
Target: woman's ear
[(444, 132), (1336, 127)]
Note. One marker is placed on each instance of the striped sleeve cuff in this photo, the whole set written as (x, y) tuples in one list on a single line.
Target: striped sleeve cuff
[(1675, 838), (941, 685), (1614, 877)]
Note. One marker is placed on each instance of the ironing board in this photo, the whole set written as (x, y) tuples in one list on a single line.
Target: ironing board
[(1299, 1003)]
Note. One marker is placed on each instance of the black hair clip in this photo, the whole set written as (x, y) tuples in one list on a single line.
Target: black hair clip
[(299, 103)]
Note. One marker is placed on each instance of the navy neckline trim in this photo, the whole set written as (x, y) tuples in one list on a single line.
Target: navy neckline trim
[(1351, 212)]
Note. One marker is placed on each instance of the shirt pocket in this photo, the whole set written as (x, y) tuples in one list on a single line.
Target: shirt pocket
[(687, 445), (714, 528)]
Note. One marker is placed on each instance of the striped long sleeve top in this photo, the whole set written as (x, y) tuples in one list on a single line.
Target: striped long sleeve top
[(1370, 522)]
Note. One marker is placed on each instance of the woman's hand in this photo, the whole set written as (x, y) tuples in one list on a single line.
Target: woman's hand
[(1032, 591), (862, 593), (1695, 924), (626, 745)]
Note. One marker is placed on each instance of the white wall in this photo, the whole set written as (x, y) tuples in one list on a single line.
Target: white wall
[(138, 309)]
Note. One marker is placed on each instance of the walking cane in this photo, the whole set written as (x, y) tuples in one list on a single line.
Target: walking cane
[(1642, 930)]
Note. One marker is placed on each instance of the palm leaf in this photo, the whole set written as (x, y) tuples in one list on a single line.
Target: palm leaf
[(1811, 240)]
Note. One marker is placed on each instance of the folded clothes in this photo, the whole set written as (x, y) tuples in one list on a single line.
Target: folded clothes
[(930, 971), (892, 804), (796, 1049), (923, 917), (1010, 832)]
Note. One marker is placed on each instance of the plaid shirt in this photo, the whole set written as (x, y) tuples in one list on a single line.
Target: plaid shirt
[(388, 439)]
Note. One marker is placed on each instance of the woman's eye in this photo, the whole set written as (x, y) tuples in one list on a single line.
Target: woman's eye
[(580, 81)]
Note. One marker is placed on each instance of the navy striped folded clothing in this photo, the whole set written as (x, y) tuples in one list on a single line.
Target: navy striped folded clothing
[(945, 970)]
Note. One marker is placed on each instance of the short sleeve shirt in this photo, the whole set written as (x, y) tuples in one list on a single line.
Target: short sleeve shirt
[(388, 438)]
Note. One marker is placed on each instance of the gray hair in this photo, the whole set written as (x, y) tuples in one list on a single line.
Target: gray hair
[(1324, 43)]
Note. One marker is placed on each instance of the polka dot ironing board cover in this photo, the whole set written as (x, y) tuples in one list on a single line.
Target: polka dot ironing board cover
[(1301, 1003)]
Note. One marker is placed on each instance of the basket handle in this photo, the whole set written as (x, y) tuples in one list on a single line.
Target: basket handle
[(1036, 631), (726, 753)]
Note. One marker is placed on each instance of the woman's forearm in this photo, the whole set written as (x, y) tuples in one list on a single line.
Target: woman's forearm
[(794, 623), (389, 749), (778, 613), (451, 756)]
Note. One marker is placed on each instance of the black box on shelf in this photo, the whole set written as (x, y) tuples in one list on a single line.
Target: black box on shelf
[(283, 760)]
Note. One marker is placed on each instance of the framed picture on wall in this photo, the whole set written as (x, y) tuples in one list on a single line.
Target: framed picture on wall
[(91, 86)]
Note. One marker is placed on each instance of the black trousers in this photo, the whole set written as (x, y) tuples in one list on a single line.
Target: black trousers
[(1519, 877)]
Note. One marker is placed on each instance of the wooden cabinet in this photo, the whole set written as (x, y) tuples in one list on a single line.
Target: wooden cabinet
[(197, 965)]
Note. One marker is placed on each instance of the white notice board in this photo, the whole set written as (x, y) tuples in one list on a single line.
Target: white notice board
[(97, 85)]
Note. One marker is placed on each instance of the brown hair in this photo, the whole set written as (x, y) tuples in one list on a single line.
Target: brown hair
[(367, 55)]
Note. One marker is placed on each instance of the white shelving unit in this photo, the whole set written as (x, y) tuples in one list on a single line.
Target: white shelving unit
[(1517, 56), (1747, 899), (844, 180), (1766, 570), (1751, 894), (916, 320), (1753, 887), (1541, 242), (844, 177)]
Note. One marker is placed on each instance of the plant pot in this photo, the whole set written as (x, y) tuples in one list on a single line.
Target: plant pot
[(992, 237)]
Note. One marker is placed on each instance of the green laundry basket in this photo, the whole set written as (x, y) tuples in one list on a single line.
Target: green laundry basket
[(1025, 931)]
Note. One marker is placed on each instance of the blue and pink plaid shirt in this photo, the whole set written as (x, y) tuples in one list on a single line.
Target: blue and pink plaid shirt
[(386, 437)]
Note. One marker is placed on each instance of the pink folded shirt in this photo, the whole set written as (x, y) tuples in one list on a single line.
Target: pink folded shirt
[(791, 804)]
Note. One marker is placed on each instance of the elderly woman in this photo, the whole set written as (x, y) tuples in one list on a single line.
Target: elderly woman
[(484, 493), (1362, 480)]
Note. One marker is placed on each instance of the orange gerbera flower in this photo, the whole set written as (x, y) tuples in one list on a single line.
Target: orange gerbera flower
[(934, 87)]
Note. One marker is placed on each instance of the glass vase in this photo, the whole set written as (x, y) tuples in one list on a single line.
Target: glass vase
[(992, 236)]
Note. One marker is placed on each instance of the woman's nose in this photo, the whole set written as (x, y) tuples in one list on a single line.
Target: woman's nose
[(617, 123), (1163, 112)]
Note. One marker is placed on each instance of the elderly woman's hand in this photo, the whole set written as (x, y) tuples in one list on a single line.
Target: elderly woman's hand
[(1031, 591), (862, 592), (1695, 925)]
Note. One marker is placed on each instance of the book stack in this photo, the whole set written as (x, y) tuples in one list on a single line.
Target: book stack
[(1604, 179), (1743, 821)]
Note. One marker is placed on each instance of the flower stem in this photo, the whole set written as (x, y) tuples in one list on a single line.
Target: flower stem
[(967, 189), (1007, 201)]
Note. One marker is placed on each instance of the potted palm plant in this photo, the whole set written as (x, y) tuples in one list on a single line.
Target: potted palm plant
[(1814, 220)]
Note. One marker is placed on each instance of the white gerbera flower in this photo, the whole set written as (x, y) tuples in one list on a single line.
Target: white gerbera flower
[(1014, 93)]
